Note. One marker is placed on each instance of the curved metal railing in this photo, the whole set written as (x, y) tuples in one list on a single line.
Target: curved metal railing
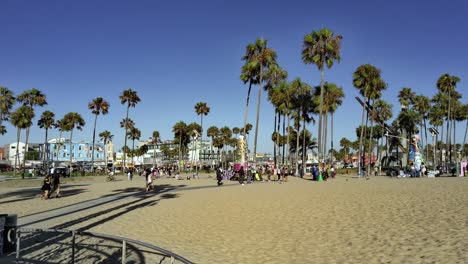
[(61, 246)]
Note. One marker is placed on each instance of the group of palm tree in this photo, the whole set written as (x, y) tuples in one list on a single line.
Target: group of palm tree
[(293, 100)]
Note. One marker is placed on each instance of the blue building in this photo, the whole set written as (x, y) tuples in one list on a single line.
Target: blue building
[(81, 152)]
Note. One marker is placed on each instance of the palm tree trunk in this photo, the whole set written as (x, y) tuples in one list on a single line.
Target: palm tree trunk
[(94, 140), (370, 140), (18, 135), (278, 136), (454, 141), (46, 164), (466, 131), (71, 150), (180, 149), (245, 121), (331, 143), (258, 113), (289, 145), (447, 142), (284, 133), (360, 139), (425, 135), (303, 146), (320, 142), (325, 133), (297, 146), (26, 149), (125, 140), (274, 142), (442, 145)]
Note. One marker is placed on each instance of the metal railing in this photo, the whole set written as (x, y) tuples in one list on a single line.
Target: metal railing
[(59, 245)]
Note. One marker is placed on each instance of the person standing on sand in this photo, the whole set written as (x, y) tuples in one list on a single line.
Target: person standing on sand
[(241, 175), (46, 187), (148, 180), (56, 188), (219, 176)]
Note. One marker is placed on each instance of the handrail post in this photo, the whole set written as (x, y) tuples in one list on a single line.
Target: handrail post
[(73, 247), (124, 249), (18, 240)]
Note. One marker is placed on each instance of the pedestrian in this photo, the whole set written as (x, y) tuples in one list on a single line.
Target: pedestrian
[(219, 176), (241, 175), (56, 187), (285, 174), (46, 187), (149, 180), (130, 175)]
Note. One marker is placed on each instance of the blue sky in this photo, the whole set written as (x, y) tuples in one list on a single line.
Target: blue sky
[(177, 53)]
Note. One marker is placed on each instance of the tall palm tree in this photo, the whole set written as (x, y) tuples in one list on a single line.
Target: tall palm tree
[(260, 57), (131, 99), (133, 134), (22, 119), (382, 113), (201, 108), (7, 100), (46, 121), (447, 84), (422, 105), (225, 133), (365, 79), (61, 125), (73, 120), (97, 106), (321, 48), (106, 137), (333, 98), (436, 119), (155, 137), (303, 103), (181, 136), (213, 132), (31, 98), (248, 74)]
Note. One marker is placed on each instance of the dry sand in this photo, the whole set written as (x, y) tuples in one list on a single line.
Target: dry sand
[(346, 220)]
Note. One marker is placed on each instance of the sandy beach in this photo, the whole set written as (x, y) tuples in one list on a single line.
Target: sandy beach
[(345, 220)]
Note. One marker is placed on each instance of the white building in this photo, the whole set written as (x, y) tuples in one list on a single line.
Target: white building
[(11, 153)]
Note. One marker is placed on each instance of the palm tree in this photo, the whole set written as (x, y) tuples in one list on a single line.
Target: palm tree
[(131, 99), (181, 136), (446, 84), (260, 57), (366, 78), (31, 98), (249, 73), (106, 137), (422, 105), (236, 131), (7, 100), (73, 120), (332, 99), (212, 132), (321, 48), (346, 145), (225, 133), (202, 109), (22, 119), (133, 134), (61, 125), (46, 121), (303, 103), (97, 106), (155, 138)]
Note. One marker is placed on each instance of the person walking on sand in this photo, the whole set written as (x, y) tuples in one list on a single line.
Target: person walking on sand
[(46, 187), (130, 175), (56, 187), (219, 176), (241, 175), (149, 180)]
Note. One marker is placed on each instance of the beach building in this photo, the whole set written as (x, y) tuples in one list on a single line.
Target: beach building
[(58, 150), (11, 152)]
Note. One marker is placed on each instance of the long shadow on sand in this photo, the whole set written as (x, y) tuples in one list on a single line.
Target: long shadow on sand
[(34, 193), (102, 251)]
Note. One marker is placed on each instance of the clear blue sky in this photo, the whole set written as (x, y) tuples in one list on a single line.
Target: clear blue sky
[(177, 53)]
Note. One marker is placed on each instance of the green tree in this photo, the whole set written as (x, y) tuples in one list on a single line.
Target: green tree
[(181, 137), (155, 137), (31, 98), (7, 100), (21, 118), (73, 120), (106, 137), (134, 134), (131, 99), (97, 106), (422, 104), (201, 108), (46, 122), (321, 48), (260, 57)]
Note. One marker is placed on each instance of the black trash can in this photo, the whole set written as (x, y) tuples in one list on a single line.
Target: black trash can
[(8, 239)]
